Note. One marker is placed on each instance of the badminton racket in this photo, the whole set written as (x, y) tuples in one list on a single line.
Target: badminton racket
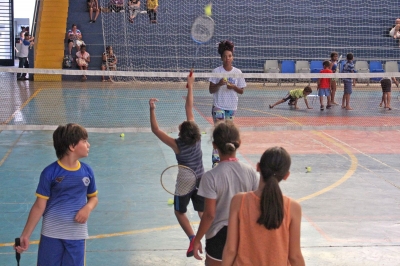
[(201, 32), (17, 255), (178, 180)]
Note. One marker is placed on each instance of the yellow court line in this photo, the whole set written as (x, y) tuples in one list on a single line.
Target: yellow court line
[(22, 106), (10, 150), (133, 232), (349, 173)]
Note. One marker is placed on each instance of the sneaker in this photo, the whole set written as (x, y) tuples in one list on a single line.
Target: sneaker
[(322, 108), (189, 252), (328, 106)]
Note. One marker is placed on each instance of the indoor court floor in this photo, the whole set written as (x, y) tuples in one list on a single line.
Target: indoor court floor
[(350, 199)]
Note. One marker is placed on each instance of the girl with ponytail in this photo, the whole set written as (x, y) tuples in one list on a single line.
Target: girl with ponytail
[(218, 186), (266, 222)]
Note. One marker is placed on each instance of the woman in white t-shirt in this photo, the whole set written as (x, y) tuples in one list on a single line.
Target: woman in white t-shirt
[(225, 90)]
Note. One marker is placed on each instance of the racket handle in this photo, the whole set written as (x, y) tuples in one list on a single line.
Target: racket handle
[(190, 74), (17, 244)]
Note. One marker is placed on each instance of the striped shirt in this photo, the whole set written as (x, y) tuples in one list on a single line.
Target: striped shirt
[(110, 58), (66, 191), (190, 156), (349, 68)]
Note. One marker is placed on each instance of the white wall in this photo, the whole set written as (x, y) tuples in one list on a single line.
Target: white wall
[(24, 9)]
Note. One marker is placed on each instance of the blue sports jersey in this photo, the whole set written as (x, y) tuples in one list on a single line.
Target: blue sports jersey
[(66, 191)]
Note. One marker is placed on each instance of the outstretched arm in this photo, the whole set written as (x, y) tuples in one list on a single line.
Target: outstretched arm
[(189, 99), (306, 102), (157, 131)]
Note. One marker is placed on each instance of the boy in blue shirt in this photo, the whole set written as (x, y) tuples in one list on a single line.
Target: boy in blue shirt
[(66, 195), (348, 82)]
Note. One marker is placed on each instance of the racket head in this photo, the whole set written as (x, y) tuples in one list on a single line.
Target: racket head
[(202, 29), (178, 180), (340, 58)]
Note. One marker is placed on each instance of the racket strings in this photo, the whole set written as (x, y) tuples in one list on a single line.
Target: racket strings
[(179, 180)]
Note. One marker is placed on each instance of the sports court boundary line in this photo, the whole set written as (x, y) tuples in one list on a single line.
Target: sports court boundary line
[(10, 150), (22, 106), (349, 173)]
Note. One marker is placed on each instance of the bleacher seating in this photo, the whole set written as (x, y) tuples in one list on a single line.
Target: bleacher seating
[(376, 67), (315, 67), (288, 67), (362, 67), (253, 45)]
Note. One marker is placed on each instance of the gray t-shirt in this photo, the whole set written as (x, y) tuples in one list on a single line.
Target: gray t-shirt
[(222, 183)]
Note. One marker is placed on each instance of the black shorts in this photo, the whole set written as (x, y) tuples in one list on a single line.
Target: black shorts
[(215, 245), (386, 85), (181, 202), (290, 98)]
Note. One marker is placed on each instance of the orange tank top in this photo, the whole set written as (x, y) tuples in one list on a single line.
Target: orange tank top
[(257, 244)]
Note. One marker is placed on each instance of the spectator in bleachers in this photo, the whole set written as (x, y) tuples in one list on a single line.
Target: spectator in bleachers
[(152, 6), (22, 34), (82, 60), (23, 55), (109, 61), (93, 6), (395, 31), (74, 37), (116, 5), (133, 7)]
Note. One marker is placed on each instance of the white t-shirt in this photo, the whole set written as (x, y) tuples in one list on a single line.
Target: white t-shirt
[(222, 183), (225, 98)]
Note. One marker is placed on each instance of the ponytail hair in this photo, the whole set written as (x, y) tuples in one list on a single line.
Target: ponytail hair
[(274, 165), (226, 137)]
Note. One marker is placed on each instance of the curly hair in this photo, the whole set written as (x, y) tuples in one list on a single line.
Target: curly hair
[(189, 132), (225, 46)]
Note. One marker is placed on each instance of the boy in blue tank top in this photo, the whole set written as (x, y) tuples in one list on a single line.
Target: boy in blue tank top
[(187, 148), (66, 195)]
